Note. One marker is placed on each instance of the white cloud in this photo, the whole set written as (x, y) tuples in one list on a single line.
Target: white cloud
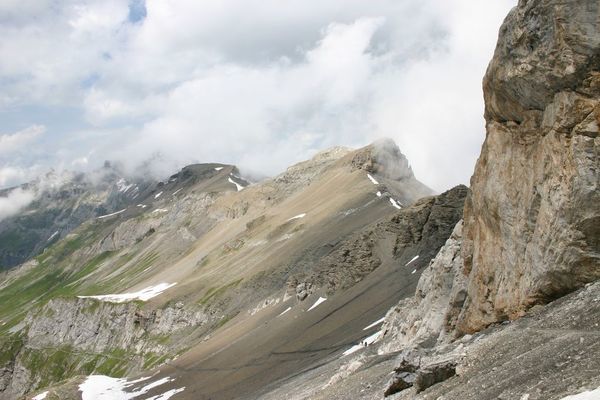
[(14, 175), (16, 141), (259, 83), (15, 201), (265, 117), (100, 107)]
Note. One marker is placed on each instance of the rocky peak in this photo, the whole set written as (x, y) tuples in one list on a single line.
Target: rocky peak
[(306, 170), (384, 158)]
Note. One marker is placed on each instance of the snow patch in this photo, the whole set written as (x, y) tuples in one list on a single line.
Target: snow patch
[(160, 210), (588, 395), (369, 340), (110, 215), (319, 301), (167, 395), (297, 217), (177, 191), (378, 194), (122, 185), (395, 204), (101, 387), (411, 260), (285, 237), (156, 196), (286, 310), (218, 168), (53, 236), (142, 205), (40, 396), (154, 384), (237, 185), (143, 295), (373, 180), (379, 321), (414, 270), (353, 349)]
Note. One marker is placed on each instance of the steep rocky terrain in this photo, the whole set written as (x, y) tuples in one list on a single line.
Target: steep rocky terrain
[(62, 202), (492, 317), (532, 223), (219, 256), (343, 277)]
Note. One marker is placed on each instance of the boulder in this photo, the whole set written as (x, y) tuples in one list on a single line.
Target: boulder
[(434, 373)]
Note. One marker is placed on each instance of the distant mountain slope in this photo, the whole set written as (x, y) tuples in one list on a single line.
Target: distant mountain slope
[(61, 203), (215, 251)]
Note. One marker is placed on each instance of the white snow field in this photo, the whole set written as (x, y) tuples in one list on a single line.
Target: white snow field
[(237, 185), (319, 301), (101, 387), (372, 179), (143, 295)]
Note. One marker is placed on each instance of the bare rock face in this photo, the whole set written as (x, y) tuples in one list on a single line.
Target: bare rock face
[(430, 316), (96, 326), (532, 220), (383, 157)]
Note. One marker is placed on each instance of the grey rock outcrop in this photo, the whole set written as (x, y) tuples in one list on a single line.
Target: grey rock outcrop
[(303, 290), (95, 326), (420, 229), (85, 333), (430, 316), (532, 221), (385, 159), (416, 369), (434, 373), (61, 203), (405, 372)]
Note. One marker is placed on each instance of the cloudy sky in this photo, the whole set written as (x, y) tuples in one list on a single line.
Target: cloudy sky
[(257, 83)]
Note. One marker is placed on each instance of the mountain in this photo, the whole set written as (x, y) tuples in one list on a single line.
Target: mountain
[(62, 202), (343, 277), (224, 255), (510, 306)]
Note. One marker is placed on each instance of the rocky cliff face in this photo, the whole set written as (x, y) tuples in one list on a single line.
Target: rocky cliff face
[(532, 221), (429, 317), (419, 229), (530, 235), (70, 337), (96, 326)]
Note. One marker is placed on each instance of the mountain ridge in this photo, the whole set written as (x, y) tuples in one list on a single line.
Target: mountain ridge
[(344, 277), (221, 251)]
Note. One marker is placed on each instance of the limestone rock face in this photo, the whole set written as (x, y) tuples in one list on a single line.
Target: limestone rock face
[(532, 220), (91, 325), (430, 315)]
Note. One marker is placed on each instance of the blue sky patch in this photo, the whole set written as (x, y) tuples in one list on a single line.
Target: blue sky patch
[(137, 10)]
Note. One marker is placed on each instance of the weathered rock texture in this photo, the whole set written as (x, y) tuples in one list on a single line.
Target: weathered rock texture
[(532, 221), (92, 325), (429, 316), (420, 229), (69, 337)]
